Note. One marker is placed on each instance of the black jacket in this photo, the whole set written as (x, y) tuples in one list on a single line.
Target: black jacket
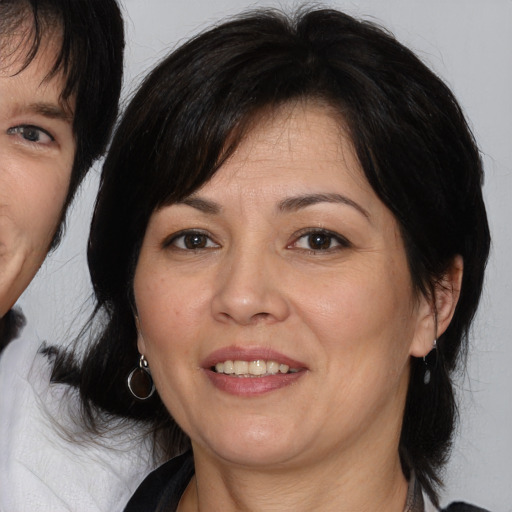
[(162, 489)]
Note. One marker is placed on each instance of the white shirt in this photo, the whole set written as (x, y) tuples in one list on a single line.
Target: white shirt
[(43, 470)]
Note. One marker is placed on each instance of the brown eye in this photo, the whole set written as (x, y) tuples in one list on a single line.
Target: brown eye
[(319, 241), (195, 241), (315, 240), (191, 241)]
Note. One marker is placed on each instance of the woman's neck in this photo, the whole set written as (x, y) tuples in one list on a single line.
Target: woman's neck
[(355, 486)]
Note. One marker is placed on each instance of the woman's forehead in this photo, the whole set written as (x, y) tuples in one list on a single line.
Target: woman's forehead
[(295, 141)]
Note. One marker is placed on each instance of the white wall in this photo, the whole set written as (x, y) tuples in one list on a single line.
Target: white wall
[(469, 43)]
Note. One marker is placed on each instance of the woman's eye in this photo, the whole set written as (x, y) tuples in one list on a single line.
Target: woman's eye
[(191, 241), (32, 134), (320, 241)]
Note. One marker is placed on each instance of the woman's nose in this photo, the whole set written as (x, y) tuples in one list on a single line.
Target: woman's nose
[(248, 290)]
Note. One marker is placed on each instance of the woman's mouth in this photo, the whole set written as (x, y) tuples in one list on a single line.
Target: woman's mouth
[(256, 368), (251, 371)]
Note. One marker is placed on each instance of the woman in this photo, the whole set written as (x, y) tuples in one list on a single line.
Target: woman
[(290, 236)]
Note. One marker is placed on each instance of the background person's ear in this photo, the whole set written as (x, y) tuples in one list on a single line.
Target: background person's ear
[(436, 313)]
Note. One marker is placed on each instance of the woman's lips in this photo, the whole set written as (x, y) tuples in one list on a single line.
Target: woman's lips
[(251, 371)]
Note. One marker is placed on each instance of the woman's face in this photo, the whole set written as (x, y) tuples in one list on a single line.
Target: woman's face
[(275, 304)]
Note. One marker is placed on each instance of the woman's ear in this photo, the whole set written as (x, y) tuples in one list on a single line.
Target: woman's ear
[(447, 293), (435, 313), (141, 346)]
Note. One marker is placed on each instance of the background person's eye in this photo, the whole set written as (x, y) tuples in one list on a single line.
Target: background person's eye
[(31, 133)]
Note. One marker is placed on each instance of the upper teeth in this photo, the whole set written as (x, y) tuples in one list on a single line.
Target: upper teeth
[(258, 367)]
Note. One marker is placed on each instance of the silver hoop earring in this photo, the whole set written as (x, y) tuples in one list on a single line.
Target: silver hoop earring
[(140, 383)]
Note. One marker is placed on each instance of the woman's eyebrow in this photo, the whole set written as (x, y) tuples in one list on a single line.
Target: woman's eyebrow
[(203, 205), (298, 202), (289, 204)]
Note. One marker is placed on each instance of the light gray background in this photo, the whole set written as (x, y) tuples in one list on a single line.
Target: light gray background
[(468, 43)]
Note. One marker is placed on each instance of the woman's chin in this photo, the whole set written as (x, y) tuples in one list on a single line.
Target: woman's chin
[(255, 457), (257, 447)]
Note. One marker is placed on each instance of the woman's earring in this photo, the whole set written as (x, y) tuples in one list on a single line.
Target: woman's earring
[(427, 377), (140, 383)]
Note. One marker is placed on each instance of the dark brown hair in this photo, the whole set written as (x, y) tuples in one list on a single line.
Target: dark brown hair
[(413, 144)]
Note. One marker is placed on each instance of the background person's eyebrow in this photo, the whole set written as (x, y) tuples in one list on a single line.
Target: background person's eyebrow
[(203, 205), (303, 201), (50, 110)]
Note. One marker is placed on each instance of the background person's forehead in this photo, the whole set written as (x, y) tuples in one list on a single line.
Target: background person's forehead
[(21, 48)]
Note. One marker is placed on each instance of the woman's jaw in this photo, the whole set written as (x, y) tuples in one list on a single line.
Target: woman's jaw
[(355, 482)]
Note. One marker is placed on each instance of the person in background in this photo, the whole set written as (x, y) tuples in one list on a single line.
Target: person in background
[(61, 67), (60, 80), (287, 252)]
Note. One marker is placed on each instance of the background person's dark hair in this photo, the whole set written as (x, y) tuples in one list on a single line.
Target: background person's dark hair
[(90, 58), (413, 144)]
